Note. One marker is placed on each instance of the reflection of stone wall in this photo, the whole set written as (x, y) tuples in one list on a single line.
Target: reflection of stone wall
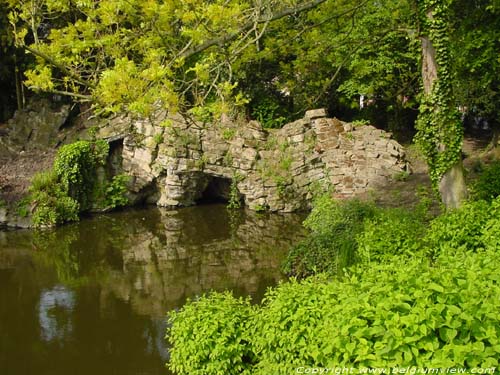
[(156, 258), (163, 267), (173, 160)]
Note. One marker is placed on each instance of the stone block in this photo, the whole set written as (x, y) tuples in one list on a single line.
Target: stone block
[(315, 113)]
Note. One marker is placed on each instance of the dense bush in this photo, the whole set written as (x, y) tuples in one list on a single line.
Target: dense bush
[(116, 192), (429, 312), (211, 336), (408, 313), (332, 244), (389, 233), (50, 201), (459, 228), (73, 186)]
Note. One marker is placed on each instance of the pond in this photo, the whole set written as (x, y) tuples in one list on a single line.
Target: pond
[(92, 297)]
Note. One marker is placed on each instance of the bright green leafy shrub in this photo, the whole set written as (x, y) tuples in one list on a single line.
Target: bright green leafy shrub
[(73, 185), (487, 186), (408, 313), (491, 231), (392, 232), (332, 244), (50, 201), (210, 336), (458, 228), (439, 312)]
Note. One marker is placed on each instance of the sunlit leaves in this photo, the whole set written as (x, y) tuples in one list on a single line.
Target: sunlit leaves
[(40, 79)]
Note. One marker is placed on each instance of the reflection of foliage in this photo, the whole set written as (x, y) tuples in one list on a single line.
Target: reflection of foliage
[(56, 250)]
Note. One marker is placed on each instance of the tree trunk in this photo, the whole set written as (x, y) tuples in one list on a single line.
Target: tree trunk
[(19, 84), (452, 187)]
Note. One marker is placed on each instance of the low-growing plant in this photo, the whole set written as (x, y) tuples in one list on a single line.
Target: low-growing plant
[(158, 138), (270, 114), (23, 207), (72, 186), (401, 176), (398, 312), (460, 228), (228, 134)]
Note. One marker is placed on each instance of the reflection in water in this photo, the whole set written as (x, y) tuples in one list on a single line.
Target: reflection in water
[(55, 313), (91, 298)]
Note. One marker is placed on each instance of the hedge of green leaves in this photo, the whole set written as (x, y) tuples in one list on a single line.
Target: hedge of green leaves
[(433, 303)]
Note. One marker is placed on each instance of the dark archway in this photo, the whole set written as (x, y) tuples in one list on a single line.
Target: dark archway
[(217, 190)]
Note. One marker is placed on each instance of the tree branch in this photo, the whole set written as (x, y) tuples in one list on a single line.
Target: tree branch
[(59, 66), (249, 25)]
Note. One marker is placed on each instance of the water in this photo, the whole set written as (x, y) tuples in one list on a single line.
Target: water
[(92, 297)]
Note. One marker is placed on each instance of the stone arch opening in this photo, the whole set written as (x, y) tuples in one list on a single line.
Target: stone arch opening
[(216, 190)]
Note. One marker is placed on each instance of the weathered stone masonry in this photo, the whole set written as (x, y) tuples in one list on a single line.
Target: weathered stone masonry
[(176, 161)]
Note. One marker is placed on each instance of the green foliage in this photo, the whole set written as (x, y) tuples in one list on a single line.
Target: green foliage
[(76, 165), (211, 336), (475, 43), (487, 186), (158, 138), (228, 134), (403, 309), (116, 192), (270, 114), (334, 215), (407, 313), (392, 232), (491, 231), (401, 176), (234, 194), (457, 229), (332, 244), (23, 207), (59, 195), (50, 201), (440, 132)]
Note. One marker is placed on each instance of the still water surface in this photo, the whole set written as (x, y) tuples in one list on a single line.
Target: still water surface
[(91, 297)]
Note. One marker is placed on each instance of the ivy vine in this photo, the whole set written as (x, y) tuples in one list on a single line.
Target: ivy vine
[(75, 167), (440, 132)]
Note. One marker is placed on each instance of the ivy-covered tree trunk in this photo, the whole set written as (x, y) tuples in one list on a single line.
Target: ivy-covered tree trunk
[(440, 131)]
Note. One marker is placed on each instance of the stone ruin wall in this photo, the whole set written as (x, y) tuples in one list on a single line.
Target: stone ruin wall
[(276, 170)]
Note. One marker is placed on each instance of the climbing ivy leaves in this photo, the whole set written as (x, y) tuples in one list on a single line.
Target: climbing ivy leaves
[(440, 131)]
